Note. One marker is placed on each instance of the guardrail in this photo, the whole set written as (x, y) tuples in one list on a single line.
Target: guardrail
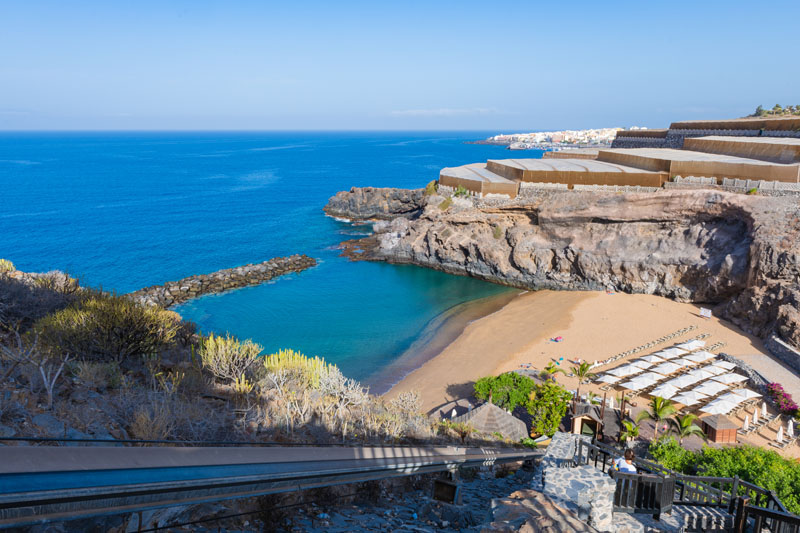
[(47, 484)]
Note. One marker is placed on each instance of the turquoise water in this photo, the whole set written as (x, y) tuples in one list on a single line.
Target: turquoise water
[(127, 210)]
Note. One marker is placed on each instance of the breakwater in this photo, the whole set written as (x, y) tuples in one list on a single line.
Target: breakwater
[(176, 292)]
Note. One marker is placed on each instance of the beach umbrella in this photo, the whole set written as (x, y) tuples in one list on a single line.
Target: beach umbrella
[(652, 359), (638, 383), (623, 371), (683, 381), (746, 426), (683, 361), (746, 394), (714, 370), (667, 368), (665, 391), (701, 373), (689, 398), (669, 353), (764, 410), (700, 357), (611, 402), (710, 388), (727, 365), (790, 428), (691, 345), (639, 363), (731, 397), (719, 407), (755, 416), (779, 437), (608, 378), (730, 378)]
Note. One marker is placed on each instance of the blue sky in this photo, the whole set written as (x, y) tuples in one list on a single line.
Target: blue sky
[(499, 66)]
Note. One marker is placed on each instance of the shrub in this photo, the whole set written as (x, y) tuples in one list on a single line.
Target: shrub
[(407, 403), (547, 405), (506, 390), (22, 304), (6, 266), (228, 358), (461, 192), (306, 370), (782, 399), (529, 443), (669, 453), (497, 232), (431, 188), (752, 191), (446, 203), (107, 327), (97, 375)]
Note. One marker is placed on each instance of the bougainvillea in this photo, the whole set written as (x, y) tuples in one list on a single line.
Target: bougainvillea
[(782, 399)]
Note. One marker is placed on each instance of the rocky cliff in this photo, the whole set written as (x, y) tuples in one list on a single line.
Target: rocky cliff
[(735, 251), (371, 202)]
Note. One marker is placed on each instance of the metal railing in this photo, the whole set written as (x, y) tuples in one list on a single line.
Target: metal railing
[(41, 484)]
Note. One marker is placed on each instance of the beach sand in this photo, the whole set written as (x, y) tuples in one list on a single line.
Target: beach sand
[(593, 325)]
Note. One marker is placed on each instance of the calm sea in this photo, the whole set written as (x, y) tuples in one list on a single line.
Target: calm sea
[(127, 210)]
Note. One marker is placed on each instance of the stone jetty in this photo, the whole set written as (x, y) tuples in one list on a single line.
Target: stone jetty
[(176, 292)]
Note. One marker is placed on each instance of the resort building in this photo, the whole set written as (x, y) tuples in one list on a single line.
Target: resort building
[(766, 150)]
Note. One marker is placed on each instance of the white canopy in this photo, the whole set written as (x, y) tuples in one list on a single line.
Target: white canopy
[(746, 394), (669, 353), (746, 425), (731, 397), (700, 357), (689, 398), (719, 407), (625, 370), (730, 378), (638, 383), (684, 381), (714, 370), (692, 345), (684, 361), (664, 391), (702, 373), (779, 436), (667, 368), (608, 378), (710, 388), (652, 359), (727, 365), (639, 363)]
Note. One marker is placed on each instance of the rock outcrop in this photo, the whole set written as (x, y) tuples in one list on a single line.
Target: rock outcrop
[(175, 292), (740, 252), (370, 202)]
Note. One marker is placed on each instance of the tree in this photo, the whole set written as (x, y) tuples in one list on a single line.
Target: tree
[(659, 409), (584, 374), (684, 426), (777, 109), (629, 431), (548, 405), (506, 390), (760, 112), (550, 371), (49, 363)]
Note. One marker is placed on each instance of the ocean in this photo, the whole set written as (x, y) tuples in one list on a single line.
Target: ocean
[(125, 210)]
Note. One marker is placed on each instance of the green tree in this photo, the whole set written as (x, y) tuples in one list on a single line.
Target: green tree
[(629, 431), (506, 390), (684, 426), (777, 109), (657, 410), (760, 112), (550, 371), (547, 405), (584, 373), (668, 452)]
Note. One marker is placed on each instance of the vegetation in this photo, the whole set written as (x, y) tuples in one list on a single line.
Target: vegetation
[(759, 466), (550, 371), (629, 431), (446, 203), (684, 426), (431, 188), (506, 390), (309, 370), (777, 111), (547, 405), (782, 399), (106, 327), (6, 266), (497, 232), (583, 373), (228, 358), (658, 410), (461, 192)]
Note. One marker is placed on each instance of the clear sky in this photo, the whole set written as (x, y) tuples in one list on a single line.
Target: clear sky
[(501, 66)]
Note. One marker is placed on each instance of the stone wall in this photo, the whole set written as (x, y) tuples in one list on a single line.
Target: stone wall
[(675, 137), (639, 142), (175, 292), (783, 351)]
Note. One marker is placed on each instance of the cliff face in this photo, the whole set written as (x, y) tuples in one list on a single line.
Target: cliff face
[(370, 202), (740, 252)]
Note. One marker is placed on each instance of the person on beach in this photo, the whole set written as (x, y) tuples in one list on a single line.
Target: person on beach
[(625, 463)]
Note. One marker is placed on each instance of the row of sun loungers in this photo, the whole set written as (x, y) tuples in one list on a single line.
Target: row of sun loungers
[(644, 347)]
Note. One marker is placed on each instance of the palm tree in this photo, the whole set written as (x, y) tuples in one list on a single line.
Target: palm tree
[(584, 374), (630, 431), (684, 426), (659, 409), (550, 371)]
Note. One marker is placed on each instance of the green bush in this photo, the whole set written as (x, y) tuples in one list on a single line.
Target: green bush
[(547, 405), (228, 358), (529, 443), (103, 327), (669, 453), (754, 190), (506, 390), (6, 266), (431, 188), (446, 203), (497, 232), (461, 192)]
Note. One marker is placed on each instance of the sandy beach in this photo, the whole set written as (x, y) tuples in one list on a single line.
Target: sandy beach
[(592, 325)]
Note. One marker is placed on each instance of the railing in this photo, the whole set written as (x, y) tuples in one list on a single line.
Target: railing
[(643, 493), (724, 492), (769, 519)]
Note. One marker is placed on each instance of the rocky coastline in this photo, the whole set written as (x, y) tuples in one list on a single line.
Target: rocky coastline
[(176, 292), (737, 253)]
